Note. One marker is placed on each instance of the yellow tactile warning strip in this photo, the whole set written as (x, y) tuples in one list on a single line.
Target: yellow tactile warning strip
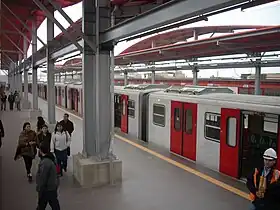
[(175, 163)]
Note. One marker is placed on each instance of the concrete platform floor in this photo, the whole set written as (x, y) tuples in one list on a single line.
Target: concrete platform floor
[(148, 182)]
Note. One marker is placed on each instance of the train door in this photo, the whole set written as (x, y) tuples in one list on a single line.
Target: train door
[(183, 129), (176, 127), (260, 131), (55, 90), (76, 100), (189, 131), (59, 96), (65, 97), (117, 110), (230, 139), (124, 117)]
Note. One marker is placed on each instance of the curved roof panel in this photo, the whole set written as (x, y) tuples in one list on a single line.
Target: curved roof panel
[(260, 40), (180, 35)]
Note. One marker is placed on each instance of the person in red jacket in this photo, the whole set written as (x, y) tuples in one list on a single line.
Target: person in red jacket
[(264, 185)]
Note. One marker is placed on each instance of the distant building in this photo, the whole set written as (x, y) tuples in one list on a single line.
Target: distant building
[(274, 76)]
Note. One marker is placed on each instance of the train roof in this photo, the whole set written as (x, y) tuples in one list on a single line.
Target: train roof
[(225, 97), (198, 90), (145, 86)]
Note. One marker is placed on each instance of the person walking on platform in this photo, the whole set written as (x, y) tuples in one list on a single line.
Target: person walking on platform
[(68, 126), (46, 180), (3, 101), (60, 141), (264, 184), (40, 123), (44, 137), (11, 100), (2, 133), (17, 100), (27, 148)]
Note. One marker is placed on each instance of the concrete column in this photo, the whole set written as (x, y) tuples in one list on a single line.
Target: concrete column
[(97, 121), (50, 71), (19, 76), (258, 77), (26, 103), (125, 78), (153, 77), (195, 72), (12, 78), (34, 68), (195, 35)]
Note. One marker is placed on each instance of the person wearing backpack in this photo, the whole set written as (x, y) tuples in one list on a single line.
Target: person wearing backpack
[(60, 141), (47, 181)]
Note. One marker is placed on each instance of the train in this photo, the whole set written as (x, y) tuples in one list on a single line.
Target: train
[(212, 126), (269, 87)]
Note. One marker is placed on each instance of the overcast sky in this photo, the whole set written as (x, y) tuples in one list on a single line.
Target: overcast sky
[(263, 15)]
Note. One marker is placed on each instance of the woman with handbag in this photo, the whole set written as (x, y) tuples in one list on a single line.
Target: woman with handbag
[(27, 148), (60, 141)]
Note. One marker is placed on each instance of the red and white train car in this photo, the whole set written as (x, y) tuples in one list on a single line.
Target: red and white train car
[(224, 132), (74, 96), (130, 108)]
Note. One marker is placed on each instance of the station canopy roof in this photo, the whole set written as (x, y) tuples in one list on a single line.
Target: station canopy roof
[(12, 29), (166, 46), (249, 42)]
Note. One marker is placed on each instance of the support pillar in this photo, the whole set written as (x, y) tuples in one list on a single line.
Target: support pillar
[(93, 167), (153, 77), (26, 103), (195, 35), (50, 72), (125, 78), (258, 77), (195, 72), (19, 76), (34, 68)]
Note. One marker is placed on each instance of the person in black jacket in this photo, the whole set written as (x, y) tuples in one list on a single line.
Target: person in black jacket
[(11, 100), (264, 184), (44, 137), (40, 123), (68, 126), (47, 180), (2, 133)]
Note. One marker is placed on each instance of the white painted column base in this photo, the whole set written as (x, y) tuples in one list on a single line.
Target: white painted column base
[(93, 173)]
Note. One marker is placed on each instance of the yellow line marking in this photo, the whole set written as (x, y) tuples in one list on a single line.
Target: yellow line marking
[(186, 168), (175, 163)]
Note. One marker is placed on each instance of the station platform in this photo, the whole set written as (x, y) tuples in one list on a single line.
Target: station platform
[(152, 178)]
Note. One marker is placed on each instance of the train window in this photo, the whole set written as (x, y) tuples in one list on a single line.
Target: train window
[(270, 123), (231, 131), (131, 108), (159, 115), (189, 121), (212, 126), (177, 119)]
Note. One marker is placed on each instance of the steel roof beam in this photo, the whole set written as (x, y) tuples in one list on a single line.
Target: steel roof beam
[(9, 32), (7, 37), (52, 18), (71, 22), (12, 24), (10, 51), (273, 63), (25, 26), (166, 14)]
